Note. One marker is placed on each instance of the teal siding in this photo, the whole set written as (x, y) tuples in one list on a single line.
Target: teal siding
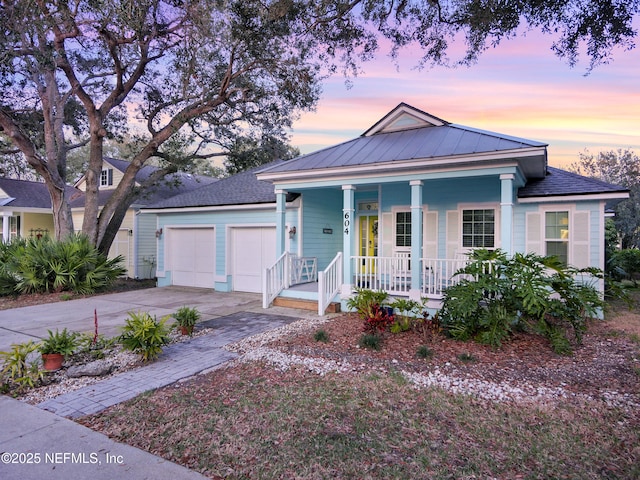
[(322, 209), (146, 257), (520, 225)]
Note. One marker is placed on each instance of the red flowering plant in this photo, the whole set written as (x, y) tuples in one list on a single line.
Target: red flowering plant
[(378, 320)]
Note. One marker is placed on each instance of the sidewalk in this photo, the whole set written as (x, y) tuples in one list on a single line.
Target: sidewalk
[(38, 443)]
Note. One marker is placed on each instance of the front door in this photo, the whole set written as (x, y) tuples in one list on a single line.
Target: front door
[(368, 241)]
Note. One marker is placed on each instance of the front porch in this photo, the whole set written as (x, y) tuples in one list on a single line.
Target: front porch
[(296, 278)]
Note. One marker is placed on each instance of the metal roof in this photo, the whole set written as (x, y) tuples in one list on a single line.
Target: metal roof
[(420, 146)]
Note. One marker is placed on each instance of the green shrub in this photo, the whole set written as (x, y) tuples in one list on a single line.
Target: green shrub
[(370, 340), (625, 264), (145, 334), (64, 342), (16, 368), (47, 265), (321, 336), (365, 301), (497, 294), (408, 309)]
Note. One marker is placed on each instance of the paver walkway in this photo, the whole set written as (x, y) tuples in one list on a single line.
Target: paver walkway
[(178, 361)]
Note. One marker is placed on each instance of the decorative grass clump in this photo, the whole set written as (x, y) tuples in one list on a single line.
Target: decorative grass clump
[(371, 341)]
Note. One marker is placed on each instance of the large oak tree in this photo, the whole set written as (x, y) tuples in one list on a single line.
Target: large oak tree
[(75, 72)]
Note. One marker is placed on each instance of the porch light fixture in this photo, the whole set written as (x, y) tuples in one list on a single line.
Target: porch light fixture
[(292, 232), (158, 233)]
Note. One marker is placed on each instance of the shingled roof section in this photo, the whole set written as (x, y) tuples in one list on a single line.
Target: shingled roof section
[(240, 189), (559, 182), (27, 194), (173, 184)]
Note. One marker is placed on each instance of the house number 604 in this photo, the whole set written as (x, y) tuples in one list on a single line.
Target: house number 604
[(347, 222)]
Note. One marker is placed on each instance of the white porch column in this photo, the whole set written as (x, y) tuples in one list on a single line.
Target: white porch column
[(281, 205), (416, 238), (506, 212), (348, 226), (6, 220)]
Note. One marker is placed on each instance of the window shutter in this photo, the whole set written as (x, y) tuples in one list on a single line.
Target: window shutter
[(535, 240), (387, 240), (453, 237), (110, 176), (430, 235), (579, 240)]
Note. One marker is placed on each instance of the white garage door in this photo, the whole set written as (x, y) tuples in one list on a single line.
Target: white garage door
[(253, 249), (193, 257)]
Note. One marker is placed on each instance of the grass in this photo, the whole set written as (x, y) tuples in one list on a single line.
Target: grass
[(250, 421)]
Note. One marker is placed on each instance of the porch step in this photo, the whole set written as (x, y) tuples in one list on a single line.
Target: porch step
[(304, 304)]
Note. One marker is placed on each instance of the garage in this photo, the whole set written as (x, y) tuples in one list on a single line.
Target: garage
[(192, 257), (252, 250)]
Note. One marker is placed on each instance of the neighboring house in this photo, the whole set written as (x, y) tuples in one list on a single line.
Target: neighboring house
[(25, 209), (136, 238), (395, 209)]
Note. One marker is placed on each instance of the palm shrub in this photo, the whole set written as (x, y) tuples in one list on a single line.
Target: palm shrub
[(8, 277), (497, 294), (145, 334), (48, 265)]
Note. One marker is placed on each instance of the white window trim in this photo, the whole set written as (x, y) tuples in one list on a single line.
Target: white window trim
[(479, 206), (570, 209), (394, 212)]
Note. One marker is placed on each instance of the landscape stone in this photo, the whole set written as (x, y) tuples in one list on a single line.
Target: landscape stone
[(98, 368)]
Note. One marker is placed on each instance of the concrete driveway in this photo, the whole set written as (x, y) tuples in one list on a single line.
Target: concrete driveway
[(31, 323)]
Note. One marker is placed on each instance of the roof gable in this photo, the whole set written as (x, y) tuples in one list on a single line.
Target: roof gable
[(404, 117)]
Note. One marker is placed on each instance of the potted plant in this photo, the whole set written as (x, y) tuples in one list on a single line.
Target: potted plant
[(186, 318), (56, 346)]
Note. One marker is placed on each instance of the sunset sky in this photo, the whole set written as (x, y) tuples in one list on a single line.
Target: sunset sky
[(519, 88)]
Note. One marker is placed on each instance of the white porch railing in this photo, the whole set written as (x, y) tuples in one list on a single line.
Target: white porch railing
[(437, 274), (329, 282), (288, 270), (275, 279), (391, 274), (303, 269)]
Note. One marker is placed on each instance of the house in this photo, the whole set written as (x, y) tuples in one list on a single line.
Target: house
[(395, 209), (25, 208), (136, 238)]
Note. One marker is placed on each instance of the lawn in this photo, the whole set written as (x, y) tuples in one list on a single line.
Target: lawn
[(255, 420)]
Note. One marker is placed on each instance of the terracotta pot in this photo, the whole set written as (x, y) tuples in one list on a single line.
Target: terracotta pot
[(186, 330), (52, 361)]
